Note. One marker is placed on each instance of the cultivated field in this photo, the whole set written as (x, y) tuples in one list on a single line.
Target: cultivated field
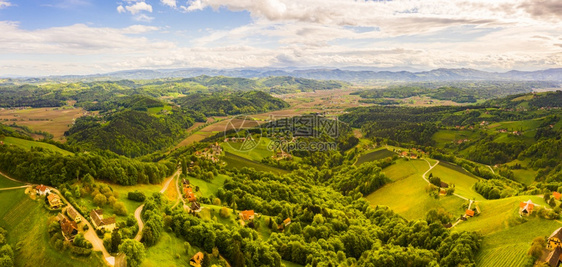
[(52, 120), (235, 161)]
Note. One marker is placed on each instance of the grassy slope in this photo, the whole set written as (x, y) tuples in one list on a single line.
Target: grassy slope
[(407, 195), (443, 137), (234, 161), (375, 155), (169, 251), (464, 182), (256, 154), (506, 239), (29, 144), (27, 223), (5, 183), (209, 188)]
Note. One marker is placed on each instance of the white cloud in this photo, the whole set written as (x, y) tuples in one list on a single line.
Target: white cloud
[(170, 3), (121, 9), (139, 7), (78, 39), (143, 18), (4, 3)]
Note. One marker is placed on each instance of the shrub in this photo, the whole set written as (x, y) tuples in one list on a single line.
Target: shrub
[(136, 196)]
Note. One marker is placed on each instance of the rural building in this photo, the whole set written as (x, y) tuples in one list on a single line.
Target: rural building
[(555, 239), (100, 223), (247, 215), (69, 228), (287, 221), (42, 190), (196, 259), (54, 201), (556, 195), (444, 185), (470, 213), (73, 214), (553, 258), (196, 207), (189, 195), (526, 208)]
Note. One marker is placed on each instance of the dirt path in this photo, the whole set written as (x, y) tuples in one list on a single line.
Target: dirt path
[(431, 168), (491, 169), (10, 178), (138, 211), (14, 188)]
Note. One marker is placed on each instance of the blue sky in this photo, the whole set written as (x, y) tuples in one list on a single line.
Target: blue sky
[(54, 37)]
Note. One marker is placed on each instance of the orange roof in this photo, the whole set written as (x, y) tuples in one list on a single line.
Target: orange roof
[(41, 188), (197, 258), (470, 213), (288, 220), (246, 214), (556, 195), (529, 206)]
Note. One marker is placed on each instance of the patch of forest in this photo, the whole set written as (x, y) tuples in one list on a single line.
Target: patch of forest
[(231, 103)]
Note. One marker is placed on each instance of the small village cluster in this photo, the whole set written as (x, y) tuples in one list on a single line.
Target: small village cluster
[(211, 153), (69, 223), (190, 196)]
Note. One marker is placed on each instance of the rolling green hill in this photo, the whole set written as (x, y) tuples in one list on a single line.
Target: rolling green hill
[(28, 144), (220, 104)]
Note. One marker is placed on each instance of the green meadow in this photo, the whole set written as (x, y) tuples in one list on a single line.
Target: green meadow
[(407, 194), (375, 155), (238, 162), (27, 144), (5, 182)]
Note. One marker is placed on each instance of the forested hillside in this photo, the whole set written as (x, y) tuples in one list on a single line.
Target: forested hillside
[(460, 92), (130, 132), (96, 95), (221, 104)]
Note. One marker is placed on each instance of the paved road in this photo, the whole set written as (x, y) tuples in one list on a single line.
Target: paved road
[(138, 211)]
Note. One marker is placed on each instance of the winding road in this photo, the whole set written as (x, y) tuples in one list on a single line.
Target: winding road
[(138, 211)]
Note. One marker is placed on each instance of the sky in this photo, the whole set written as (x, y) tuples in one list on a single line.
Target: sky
[(62, 37)]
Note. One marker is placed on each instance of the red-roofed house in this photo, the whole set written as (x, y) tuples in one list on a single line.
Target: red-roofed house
[(100, 223), (526, 208), (189, 195), (42, 190), (54, 201), (247, 215), (287, 221), (556, 195), (470, 213)]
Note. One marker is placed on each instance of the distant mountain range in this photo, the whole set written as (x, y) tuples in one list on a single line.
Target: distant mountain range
[(359, 76)]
